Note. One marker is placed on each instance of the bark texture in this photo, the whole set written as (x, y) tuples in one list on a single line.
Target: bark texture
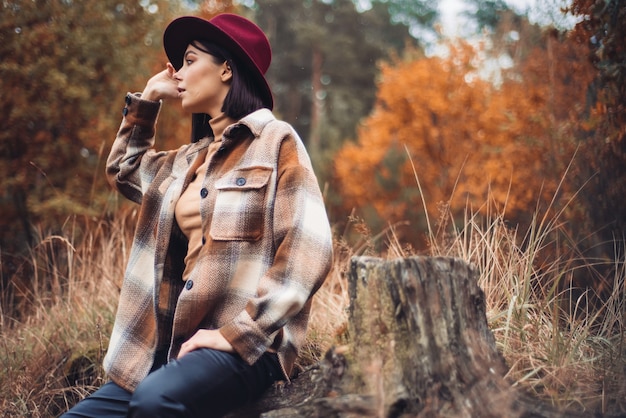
[(420, 346)]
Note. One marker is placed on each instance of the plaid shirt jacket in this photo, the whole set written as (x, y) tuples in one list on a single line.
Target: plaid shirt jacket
[(267, 244)]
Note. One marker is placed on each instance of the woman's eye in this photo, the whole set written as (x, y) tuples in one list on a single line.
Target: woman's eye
[(188, 62)]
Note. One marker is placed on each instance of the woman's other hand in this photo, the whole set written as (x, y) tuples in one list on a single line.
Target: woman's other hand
[(206, 338), (162, 86)]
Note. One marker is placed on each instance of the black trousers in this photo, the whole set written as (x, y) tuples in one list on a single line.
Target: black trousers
[(203, 383)]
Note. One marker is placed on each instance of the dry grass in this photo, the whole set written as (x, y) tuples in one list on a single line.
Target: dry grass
[(562, 343), (558, 345), (57, 313)]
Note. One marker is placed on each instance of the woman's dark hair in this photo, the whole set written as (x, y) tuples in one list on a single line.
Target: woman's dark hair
[(242, 98)]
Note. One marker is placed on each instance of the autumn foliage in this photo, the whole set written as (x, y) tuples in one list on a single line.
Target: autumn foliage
[(465, 140)]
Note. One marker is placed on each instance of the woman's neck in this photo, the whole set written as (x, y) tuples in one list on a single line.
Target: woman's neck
[(219, 123)]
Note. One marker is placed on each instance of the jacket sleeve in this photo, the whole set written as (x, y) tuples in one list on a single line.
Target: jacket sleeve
[(303, 257), (132, 163)]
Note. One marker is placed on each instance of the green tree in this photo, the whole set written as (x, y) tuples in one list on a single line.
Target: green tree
[(325, 63), (487, 13), (65, 66), (602, 28)]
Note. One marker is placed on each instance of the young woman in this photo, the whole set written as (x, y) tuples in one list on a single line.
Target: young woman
[(232, 238)]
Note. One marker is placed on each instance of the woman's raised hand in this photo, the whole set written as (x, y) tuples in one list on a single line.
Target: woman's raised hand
[(162, 86)]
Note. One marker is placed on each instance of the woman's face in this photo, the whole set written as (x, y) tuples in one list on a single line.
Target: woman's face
[(202, 83)]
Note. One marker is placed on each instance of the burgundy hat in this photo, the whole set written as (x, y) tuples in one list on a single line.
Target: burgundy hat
[(245, 40)]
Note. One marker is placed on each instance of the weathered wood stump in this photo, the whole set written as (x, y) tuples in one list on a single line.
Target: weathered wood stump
[(420, 346)]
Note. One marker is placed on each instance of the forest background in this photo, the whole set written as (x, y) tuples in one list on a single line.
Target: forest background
[(517, 118), (520, 115)]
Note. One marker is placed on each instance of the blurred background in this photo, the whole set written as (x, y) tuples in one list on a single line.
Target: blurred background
[(489, 130), (406, 107)]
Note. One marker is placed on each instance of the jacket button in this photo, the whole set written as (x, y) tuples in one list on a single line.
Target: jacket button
[(125, 111), (241, 181), (128, 99), (204, 192), (189, 284)]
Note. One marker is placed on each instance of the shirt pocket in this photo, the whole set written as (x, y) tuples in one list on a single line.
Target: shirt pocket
[(238, 214)]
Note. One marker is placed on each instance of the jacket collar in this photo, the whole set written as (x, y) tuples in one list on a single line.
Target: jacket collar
[(255, 122)]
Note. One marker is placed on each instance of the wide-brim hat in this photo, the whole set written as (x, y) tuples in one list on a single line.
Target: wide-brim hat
[(241, 37)]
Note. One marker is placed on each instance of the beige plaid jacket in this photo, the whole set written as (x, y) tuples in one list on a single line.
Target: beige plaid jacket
[(267, 243)]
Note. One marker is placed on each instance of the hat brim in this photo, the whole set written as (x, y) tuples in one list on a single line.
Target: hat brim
[(184, 30)]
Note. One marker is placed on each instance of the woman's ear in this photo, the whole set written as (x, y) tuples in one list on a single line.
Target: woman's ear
[(227, 72)]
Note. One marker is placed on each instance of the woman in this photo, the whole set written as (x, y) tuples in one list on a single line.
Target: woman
[(232, 239)]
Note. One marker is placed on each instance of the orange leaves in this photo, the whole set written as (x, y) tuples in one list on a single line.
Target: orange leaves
[(425, 112), (468, 140)]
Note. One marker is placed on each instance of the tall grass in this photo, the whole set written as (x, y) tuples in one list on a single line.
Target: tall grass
[(57, 312), (563, 344), (560, 343)]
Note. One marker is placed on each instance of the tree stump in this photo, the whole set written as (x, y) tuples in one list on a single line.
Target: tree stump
[(419, 332), (419, 346)]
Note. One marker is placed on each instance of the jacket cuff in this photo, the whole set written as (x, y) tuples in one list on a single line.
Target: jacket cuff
[(139, 111), (247, 339)]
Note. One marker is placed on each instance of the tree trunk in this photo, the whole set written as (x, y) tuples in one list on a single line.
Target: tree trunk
[(317, 103), (419, 347)]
